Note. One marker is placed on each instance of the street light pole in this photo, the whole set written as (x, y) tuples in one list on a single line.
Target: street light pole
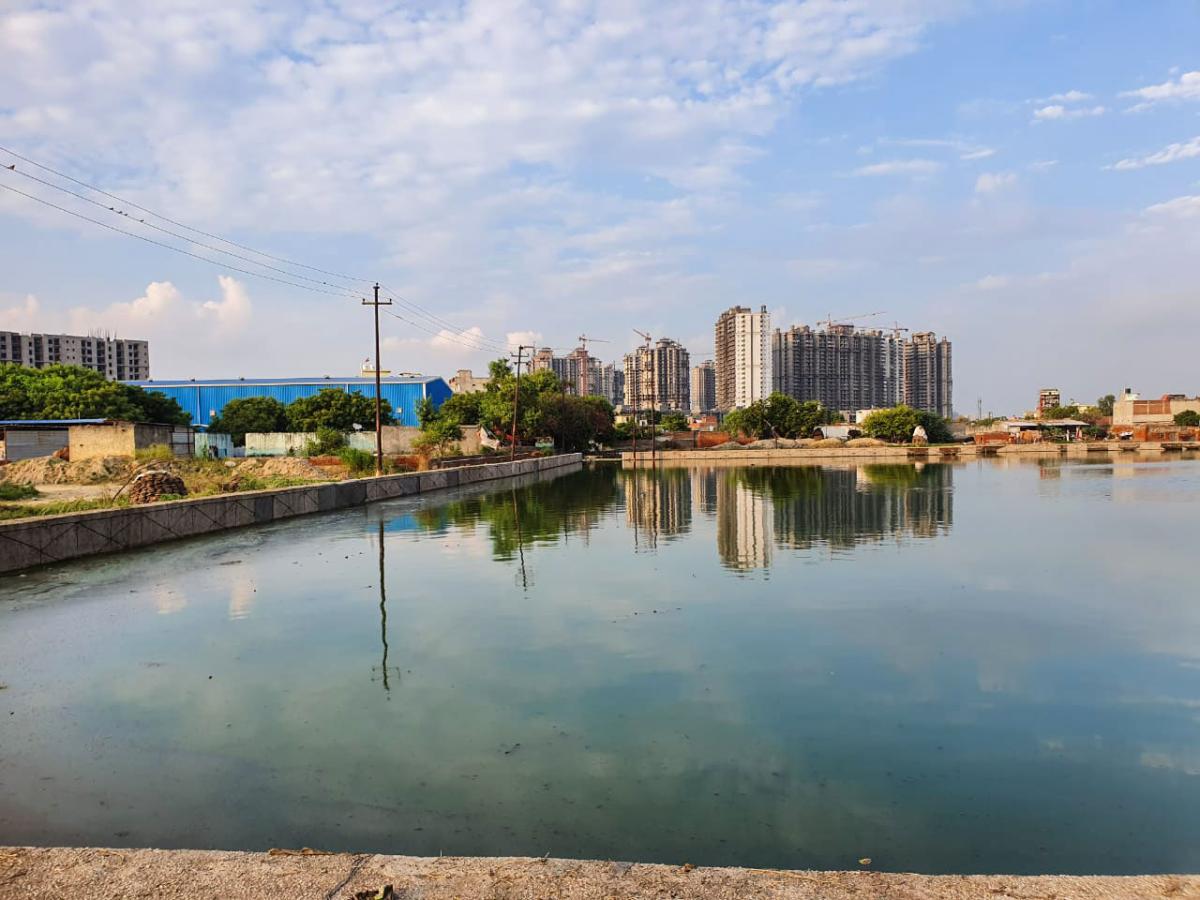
[(378, 386)]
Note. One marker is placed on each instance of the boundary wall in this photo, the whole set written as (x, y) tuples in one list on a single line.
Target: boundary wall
[(907, 453), (48, 539)]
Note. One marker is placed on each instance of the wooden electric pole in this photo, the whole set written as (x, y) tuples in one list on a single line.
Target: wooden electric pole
[(512, 453), (378, 386)]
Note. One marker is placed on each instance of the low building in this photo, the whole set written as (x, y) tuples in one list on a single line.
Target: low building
[(204, 399), (1048, 398), (29, 438), (88, 440), (1032, 430), (466, 382), (1130, 409)]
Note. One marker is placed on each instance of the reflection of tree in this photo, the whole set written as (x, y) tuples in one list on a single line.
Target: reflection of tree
[(535, 513), (844, 507), (658, 502)]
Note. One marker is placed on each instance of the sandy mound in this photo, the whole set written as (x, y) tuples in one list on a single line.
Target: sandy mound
[(281, 467), (829, 442), (51, 470), (865, 442), (728, 445)]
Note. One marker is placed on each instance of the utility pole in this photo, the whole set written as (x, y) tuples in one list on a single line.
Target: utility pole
[(378, 387), (512, 453)]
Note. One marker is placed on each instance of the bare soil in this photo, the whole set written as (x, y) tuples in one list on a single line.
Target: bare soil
[(285, 874)]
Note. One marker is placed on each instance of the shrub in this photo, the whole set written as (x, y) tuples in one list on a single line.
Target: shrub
[(17, 491), (357, 461), (328, 442), (1189, 418), (154, 453)]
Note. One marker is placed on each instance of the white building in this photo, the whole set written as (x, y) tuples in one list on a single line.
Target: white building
[(114, 358), (743, 350)]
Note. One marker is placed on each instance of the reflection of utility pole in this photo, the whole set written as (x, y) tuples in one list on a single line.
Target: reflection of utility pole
[(520, 542), (383, 613)]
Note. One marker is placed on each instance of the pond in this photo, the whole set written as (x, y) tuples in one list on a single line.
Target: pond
[(990, 667)]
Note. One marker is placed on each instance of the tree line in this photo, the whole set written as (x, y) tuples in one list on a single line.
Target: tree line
[(328, 410), (73, 392)]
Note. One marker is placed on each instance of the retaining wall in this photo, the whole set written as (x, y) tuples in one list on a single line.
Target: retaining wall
[(903, 453), (47, 539)]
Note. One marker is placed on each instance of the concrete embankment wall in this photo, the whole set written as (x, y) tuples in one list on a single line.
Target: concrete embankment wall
[(47, 539), (902, 453)]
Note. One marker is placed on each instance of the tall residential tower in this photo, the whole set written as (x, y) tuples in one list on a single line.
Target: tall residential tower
[(743, 351)]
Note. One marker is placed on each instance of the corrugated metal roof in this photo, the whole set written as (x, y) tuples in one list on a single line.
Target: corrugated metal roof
[(322, 379), (33, 423)]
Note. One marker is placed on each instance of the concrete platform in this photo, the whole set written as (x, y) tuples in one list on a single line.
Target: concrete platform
[(99, 874)]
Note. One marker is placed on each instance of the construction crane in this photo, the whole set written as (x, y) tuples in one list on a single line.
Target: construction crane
[(830, 321), (896, 329), (583, 341)]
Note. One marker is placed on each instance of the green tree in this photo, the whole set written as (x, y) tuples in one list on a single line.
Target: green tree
[(1189, 418), (575, 423), (779, 416), (337, 409), (674, 422), (1105, 404), (896, 425), (73, 392), (250, 414), (1061, 412)]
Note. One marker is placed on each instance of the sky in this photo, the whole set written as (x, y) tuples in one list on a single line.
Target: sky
[(1020, 177)]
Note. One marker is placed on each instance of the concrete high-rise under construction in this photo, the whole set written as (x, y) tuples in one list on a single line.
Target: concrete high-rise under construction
[(743, 351), (704, 387), (116, 359), (928, 382), (841, 368), (847, 370), (580, 372), (658, 376)]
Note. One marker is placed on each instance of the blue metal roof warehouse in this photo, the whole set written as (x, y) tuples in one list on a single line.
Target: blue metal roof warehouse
[(204, 399)]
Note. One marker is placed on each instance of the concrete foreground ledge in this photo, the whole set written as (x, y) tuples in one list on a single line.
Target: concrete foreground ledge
[(27, 872)]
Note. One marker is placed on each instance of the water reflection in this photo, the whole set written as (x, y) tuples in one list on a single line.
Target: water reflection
[(759, 510)]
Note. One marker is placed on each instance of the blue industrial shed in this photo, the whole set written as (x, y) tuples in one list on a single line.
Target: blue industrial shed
[(204, 399)]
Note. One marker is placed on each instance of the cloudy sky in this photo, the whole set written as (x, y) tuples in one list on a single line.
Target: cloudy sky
[(1022, 177)]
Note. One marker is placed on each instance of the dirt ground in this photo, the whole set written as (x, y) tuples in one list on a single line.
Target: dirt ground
[(281, 875)]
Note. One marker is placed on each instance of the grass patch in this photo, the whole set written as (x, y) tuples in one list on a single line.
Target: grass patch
[(24, 510), (10, 491)]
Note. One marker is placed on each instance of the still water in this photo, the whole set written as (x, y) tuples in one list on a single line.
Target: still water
[(976, 668)]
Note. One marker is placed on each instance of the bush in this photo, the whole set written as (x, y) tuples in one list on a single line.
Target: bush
[(328, 442), (1189, 418), (154, 453), (17, 491), (357, 461)]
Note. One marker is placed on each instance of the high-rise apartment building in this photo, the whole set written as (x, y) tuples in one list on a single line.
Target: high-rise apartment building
[(841, 368), (658, 377), (704, 387), (114, 358), (928, 383), (1048, 398), (612, 384), (579, 371), (743, 351)]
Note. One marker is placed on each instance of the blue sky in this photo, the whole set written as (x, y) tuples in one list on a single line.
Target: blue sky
[(1022, 177)]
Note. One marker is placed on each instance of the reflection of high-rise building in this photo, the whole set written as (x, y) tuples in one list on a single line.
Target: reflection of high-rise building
[(846, 507), (744, 527), (657, 377), (659, 502), (704, 490), (928, 382), (743, 351), (839, 367), (704, 387)]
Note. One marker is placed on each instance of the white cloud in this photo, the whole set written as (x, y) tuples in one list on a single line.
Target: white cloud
[(1185, 87), (991, 182), (1066, 97), (965, 149), (1042, 165), (515, 339), (1058, 111), (1187, 207), (901, 167), (232, 311), (992, 282), (23, 316), (1169, 154), (822, 268)]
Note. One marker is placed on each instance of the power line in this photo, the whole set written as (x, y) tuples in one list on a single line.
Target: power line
[(149, 240), (415, 308), (217, 237)]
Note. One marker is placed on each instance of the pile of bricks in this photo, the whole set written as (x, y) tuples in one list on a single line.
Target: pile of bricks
[(151, 486)]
